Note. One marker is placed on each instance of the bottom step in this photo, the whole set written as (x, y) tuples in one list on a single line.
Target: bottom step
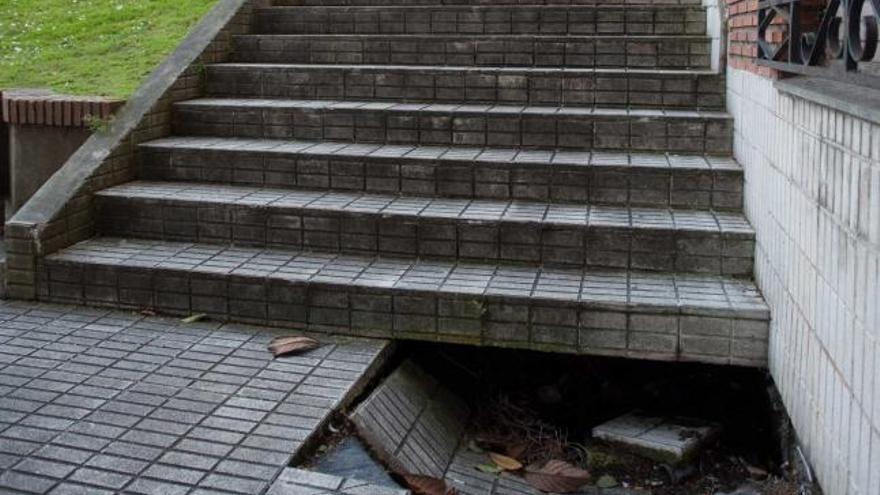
[(619, 313)]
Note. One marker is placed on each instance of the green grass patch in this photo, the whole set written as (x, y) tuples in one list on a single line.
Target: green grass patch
[(90, 47)]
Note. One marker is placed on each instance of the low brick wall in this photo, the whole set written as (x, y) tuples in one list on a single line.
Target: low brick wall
[(44, 130), (44, 108), (61, 213)]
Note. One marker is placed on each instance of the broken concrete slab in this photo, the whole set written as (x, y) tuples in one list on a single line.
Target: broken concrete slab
[(295, 481), (350, 459), (411, 422), (668, 440)]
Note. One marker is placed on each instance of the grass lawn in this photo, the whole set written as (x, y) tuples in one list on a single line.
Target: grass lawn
[(90, 47)]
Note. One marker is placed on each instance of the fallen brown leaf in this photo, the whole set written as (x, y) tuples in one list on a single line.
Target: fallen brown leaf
[(427, 485), (557, 476), (504, 462), (289, 345)]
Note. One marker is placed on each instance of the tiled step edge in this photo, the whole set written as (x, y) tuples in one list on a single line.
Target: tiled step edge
[(616, 313), (631, 88), (469, 125), (618, 179), (505, 19), (666, 52), (497, 231)]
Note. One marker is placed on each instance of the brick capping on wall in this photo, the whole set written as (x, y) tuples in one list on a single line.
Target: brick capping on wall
[(42, 107), (61, 212)]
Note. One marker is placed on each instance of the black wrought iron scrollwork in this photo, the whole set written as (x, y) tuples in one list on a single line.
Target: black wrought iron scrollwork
[(829, 38)]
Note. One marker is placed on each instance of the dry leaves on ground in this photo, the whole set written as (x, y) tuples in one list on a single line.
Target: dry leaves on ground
[(282, 346), (504, 462), (427, 485), (556, 476)]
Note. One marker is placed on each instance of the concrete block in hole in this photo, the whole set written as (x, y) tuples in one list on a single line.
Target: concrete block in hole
[(411, 422), (669, 440)]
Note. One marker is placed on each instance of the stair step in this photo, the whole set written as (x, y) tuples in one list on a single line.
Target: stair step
[(622, 313), (326, 3), (470, 125), (665, 52), (622, 179), (486, 230), (485, 19), (633, 88)]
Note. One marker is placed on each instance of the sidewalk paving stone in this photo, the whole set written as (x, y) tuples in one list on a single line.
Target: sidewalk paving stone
[(99, 401)]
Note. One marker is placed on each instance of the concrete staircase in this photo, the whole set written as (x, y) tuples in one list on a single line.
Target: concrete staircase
[(550, 175)]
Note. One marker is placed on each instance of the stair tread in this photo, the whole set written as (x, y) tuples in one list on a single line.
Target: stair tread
[(728, 224), (504, 7), (446, 108), (472, 68), (602, 289), (453, 153), (488, 37)]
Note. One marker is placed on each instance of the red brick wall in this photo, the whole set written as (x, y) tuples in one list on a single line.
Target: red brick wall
[(742, 29)]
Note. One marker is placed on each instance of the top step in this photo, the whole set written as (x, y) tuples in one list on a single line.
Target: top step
[(483, 19), (332, 3)]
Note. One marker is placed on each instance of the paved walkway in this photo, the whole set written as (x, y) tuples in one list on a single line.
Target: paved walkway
[(95, 401)]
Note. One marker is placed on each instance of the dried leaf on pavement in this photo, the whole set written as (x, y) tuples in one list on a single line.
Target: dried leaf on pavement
[(194, 318), (504, 462), (557, 476), (281, 346), (489, 468)]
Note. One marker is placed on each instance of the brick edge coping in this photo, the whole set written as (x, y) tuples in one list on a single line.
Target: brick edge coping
[(40, 107)]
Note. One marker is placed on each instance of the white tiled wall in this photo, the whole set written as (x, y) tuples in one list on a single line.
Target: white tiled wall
[(813, 195)]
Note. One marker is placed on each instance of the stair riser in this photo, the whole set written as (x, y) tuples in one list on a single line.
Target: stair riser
[(503, 321), (407, 3), (605, 89), (481, 20), (600, 185), (382, 233), (677, 53), (577, 132)]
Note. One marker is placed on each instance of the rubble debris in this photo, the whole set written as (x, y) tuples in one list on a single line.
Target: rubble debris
[(667, 440)]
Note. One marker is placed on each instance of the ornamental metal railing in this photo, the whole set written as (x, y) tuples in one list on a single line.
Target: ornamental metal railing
[(827, 38)]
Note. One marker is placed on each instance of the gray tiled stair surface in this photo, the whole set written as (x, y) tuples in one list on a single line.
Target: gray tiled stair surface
[(616, 312), (445, 19), (598, 178), (498, 230), (536, 127), (517, 50), (481, 2), (550, 175), (630, 88)]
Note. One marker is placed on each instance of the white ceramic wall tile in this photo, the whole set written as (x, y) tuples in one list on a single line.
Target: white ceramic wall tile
[(813, 195)]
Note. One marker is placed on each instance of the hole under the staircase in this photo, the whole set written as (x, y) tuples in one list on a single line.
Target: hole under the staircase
[(550, 404)]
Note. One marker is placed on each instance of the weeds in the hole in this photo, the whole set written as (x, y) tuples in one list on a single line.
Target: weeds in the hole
[(98, 125)]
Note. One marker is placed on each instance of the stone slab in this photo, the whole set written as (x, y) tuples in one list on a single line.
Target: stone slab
[(412, 422), (670, 440), (98, 401)]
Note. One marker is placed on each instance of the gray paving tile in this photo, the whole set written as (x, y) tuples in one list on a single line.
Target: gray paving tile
[(85, 436)]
